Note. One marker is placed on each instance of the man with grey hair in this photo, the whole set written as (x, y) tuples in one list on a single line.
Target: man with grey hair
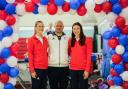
[(58, 70)]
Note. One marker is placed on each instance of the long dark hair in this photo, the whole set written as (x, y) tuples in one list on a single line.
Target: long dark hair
[(82, 36)]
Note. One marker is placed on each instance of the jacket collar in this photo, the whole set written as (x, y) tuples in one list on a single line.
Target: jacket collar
[(54, 34)]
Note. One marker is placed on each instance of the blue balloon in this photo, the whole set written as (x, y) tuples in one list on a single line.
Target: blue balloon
[(10, 9), (82, 1), (5, 53), (109, 77), (117, 80), (126, 48), (114, 1), (74, 4), (13, 72), (119, 68), (125, 57), (123, 39), (4, 68), (8, 86), (113, 65), (36, 9), (8, 31), (117, 8), (1, 35), (44, 2), (112, 51), (3, 4), (115, 31), (107, 35), (59, 2)]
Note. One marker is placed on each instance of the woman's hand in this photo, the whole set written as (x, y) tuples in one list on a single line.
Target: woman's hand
[(86, 74), (33, 74)]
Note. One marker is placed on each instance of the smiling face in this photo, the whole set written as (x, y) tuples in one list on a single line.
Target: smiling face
[(39, 28), (76, 30), (59, 27)]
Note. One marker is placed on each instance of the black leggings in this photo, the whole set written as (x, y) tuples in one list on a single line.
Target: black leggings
[(58, 77), (40, 82), (77, 81)]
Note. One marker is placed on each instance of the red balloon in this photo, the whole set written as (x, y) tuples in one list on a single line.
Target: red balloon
[(20, 1), (113, 72), (10, 20), (125, 30), (66, 7), (35, 1), (51, 1), (15, 3), (81, 11), (52, 8), (125, 85), (120, 22), (107, 7), (29, 7), (3, 14), (116, 58), (98, 8), (113, 42), (126, 66), (2, 61), (4, 78), (110, 82), (124, 3)]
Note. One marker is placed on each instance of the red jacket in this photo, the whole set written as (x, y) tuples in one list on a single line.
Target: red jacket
[(81, 55), (37, 53)]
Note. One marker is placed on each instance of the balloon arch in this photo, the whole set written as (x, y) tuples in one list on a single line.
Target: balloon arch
[(116, 12)]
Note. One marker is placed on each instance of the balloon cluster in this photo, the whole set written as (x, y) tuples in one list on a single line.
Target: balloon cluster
[(8, 46), (20, 7), (116, 13)]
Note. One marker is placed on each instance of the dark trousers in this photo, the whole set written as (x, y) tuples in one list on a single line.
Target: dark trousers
[(77, 81), (40, 82), (58, 77)]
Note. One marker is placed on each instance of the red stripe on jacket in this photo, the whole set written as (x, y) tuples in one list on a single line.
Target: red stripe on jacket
[(37, 54), (81, 55)]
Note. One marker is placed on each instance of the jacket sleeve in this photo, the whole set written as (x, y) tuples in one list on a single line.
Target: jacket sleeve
[(69, 46), (30, 55), (89, 53)]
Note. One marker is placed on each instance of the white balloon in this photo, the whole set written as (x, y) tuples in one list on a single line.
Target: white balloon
[(6, 42), (67, 0), (12, 81), (20, 9), (10, 1), (14, 37), (1, 85), (42, 9), (124, 75), (1, 46), (12, 61), (2, 24), (120, 49), (99, 1), (115, 87), (72, 12), (111, 17), (124, 13)]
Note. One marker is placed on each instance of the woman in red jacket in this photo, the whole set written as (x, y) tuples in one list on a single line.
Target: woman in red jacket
[(80, 50), (37, 55)]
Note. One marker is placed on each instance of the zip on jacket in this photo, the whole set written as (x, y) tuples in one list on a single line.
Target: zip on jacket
[(58, 50)]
